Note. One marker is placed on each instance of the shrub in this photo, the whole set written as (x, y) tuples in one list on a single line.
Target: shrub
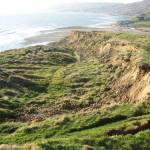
[(145, 62)]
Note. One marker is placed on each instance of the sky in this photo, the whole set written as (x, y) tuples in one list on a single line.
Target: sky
[(8, 7)]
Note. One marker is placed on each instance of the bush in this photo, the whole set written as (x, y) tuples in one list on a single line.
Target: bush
[(145, 62)]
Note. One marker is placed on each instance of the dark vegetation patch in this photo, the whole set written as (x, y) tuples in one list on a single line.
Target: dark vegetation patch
[(132, 131), (145, 62)]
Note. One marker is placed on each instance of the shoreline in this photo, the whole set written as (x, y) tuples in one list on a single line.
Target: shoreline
[(48, 36)]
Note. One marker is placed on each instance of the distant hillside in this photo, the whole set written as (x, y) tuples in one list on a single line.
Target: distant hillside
[(141, 22), (112, 8), (94, 7), (136, 8)]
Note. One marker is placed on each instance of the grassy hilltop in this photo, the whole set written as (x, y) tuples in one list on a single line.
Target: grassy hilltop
[(90, 91), (140, 22)]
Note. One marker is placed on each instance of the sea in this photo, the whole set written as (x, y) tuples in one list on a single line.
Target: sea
[(14, 29)]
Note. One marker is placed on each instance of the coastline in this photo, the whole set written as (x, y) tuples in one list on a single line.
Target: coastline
[(48, 36)]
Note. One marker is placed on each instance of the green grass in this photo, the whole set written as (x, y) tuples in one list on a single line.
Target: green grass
[(140, 22), (60, 97), (146, 57), (94, 125)]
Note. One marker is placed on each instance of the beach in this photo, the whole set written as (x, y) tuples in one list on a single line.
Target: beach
[(48, 36)]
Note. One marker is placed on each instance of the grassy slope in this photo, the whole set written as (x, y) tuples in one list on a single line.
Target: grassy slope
[(59, 97), (142, 25)]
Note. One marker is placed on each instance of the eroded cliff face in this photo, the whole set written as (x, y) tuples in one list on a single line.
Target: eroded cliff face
[(132, 85), (131, 81)]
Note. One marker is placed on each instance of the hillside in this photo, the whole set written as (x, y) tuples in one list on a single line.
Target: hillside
[(136, 8), (130, 9), (140, 22), (89, 91)]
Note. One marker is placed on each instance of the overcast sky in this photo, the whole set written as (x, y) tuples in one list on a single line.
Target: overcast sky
[(31, 6)]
